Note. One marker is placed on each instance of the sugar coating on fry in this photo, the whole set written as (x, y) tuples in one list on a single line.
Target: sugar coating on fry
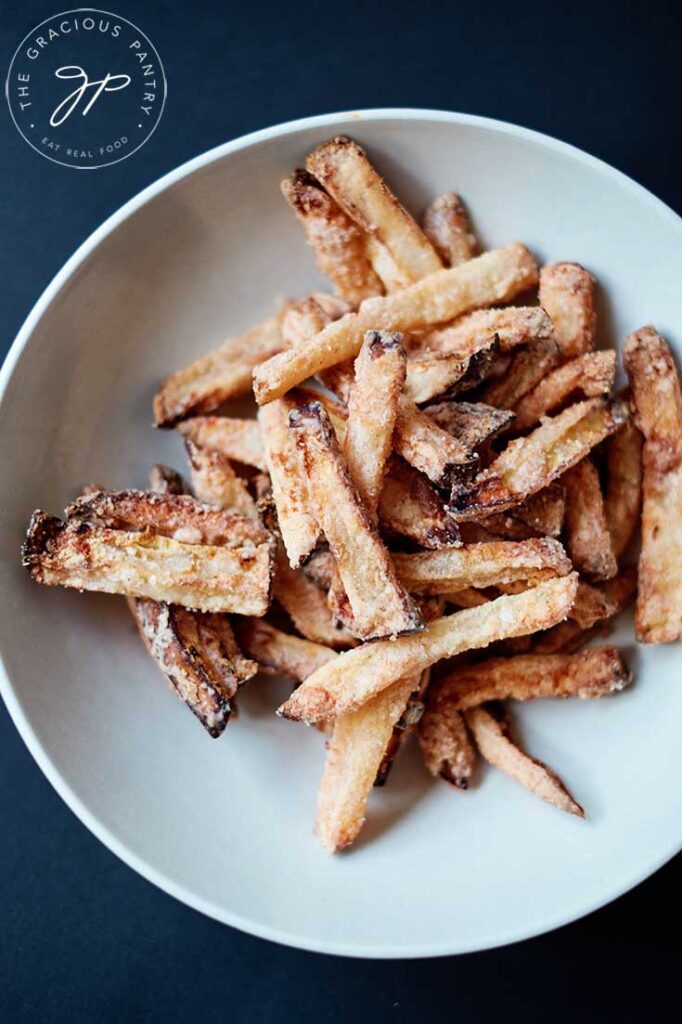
[(591, 374), (346, 173), (543, 511), (587, 532), (338, 243), (305, 317), (381, 606), (410, 506), (493, 740), (496, 276), (567, 294), (372, 412), (657, 401), (623, 498), (431, 377), (279, 653), (433, 451), (527, 368), (211, 381), (384, 265), (472, 423), (161, 478), (446, 745), (235, 438), (215, 481), (530, 463), (448, 228), (358, 675), (307, 607), (513, 326)]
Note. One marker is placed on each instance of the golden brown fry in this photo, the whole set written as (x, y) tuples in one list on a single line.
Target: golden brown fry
[(587, 532), (237, 439), (481, 565), (526, 369), (590, 374), (216, 483), (338, 603), (496, 276), (339, 243), (467, 598), (410, 506), (434, 452), (281, 654), (512, 325), (472, 423), (307, 607), (384, 265), (297, 523), (623, 499), (162, 479), (357, 676), (346, 173), (493, 740), (530, 463), (448, 228), (211, 381), (446, 745), (303, 318), (657, 399), (543, 511), (431, 377), (567, 293), (381, 606), (372, 412)]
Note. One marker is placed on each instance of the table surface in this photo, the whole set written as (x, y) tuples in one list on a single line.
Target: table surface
[(83, 937)]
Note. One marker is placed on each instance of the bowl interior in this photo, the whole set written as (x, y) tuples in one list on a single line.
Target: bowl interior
[(226, 825)]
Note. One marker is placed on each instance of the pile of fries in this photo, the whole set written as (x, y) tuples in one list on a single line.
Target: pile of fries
[(433, 471)]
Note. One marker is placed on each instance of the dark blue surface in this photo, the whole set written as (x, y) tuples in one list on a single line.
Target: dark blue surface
[(82, 938)]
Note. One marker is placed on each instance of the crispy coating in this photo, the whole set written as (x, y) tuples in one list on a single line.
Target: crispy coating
[(346, 173), (372, 413), (433, 451), (306, 606), (482, 565), (338, 243), (237, 439), (211, 381), (446, 745), (410, 506), (448, 228), (590, 374), (384, 266), (430, 377), (215, 482), (161, 478), (495, 744), (303, 318), (543, 511), (496, 276), (587, 532), (623, 498), (358, 675), (381, 606), (527, 368), (472, 423), (279, 653), (512, 325), (657, 401), (530, 463), (567, 293)]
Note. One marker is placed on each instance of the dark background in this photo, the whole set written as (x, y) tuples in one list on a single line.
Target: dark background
[(82, 938)]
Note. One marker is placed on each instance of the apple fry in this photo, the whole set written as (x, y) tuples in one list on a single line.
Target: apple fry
[(162, 479), (446, 744), (237, 439), (279, 653), (472, 423), (307, 607), (587, 532), (410, 506), (448, 228), (434, 452), (623, 499), (513, 326), (216, 483), (431, 377), (567, 293), (591, 374), (527, 369)]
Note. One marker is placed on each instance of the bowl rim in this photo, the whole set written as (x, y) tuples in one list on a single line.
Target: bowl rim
[(138, 864)]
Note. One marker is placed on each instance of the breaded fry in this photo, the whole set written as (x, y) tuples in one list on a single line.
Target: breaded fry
[(526, 369), (496, 276), (657, 400), (384, 266), (338, 602), (481, 565), (587, 532), (543, 511), (372, 412), (493, 740), (216, 483), (472, 423), (590, 374), (303, 318), (446, 744), (623, 498), (567, 293), (357, 676), (448, 228), (237, 439), (281, 654), (431, 377), (434, 452), (594, 605), (530, 463), (307, 607), (412, 507), (512, 325), (381, 606), (338, 242), (346, 173), (211, 381), (162, 479)]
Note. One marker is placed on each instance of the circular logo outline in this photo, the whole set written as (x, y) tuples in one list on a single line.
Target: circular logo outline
[(62, 14)]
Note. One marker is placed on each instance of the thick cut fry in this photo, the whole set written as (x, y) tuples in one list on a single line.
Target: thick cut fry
[(526, 369), (240, 440), (217, 377), (447, 226), (567, 293), (544, 511), (434, 452), (657, 399), (281, 654), (530, 463), (198, 655), (472, 423), (493, 740), (431, 377), (384, 266), (297, 524), (446, 745), (593, 607), (591, 673), (372, 412), (481, 565), (357, 676), (591, 374), (303, 318), (513, 326), (496, 276), (411, 507), (587, 532), (202, 576), (307, 607), (346, 173), (623, 499), (215, 482), (338, 242), (381, 606), (162, 479)]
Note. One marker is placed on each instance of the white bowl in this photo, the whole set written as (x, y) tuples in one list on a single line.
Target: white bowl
[(226, 826)]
